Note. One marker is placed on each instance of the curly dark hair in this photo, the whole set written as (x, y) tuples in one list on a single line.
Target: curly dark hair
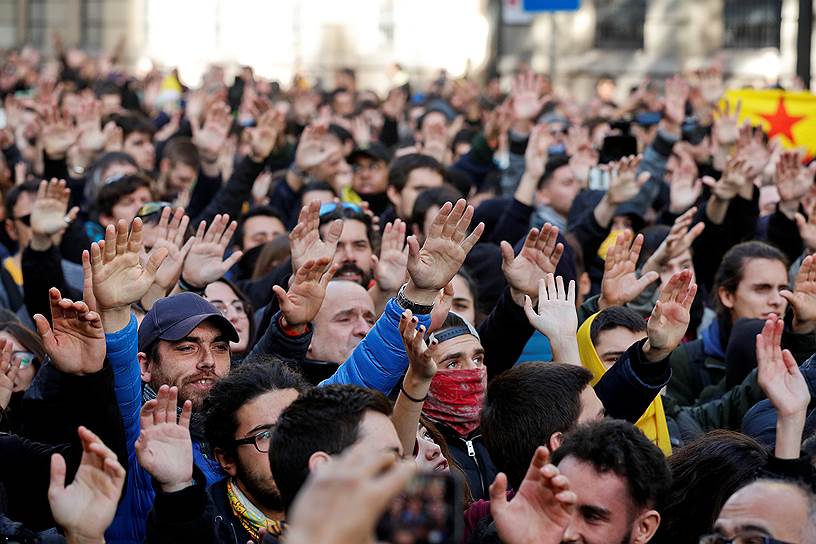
[(617, 446), (244, 383)]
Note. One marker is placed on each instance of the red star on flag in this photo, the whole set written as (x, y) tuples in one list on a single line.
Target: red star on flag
[(781, 122)]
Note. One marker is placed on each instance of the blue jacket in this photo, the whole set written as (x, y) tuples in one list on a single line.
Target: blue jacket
[(379, 360), (129, 523)]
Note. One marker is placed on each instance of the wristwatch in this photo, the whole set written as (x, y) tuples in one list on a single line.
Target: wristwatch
[(418, 309)]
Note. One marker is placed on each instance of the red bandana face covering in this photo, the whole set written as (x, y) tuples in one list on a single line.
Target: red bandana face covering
[(455, 399)]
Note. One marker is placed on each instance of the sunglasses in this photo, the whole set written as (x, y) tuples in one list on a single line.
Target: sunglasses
[(151, 208), (329, 207)]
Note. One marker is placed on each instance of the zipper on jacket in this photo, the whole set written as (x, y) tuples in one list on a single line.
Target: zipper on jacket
[(472, 454)]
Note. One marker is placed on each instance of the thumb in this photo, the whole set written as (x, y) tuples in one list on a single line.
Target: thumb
[(646, 279), (57, 484), (708, 181), (155, 261), (413, 246), (283, 300), (498, 494), (528, 309), (44, 329), (787, 295), (506, 253), (801, 222)]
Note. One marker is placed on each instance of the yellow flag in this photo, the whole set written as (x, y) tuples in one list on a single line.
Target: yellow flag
[(788, 115)]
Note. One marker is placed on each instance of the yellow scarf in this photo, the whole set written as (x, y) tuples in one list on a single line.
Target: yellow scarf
[(251, 518), (653, 420)]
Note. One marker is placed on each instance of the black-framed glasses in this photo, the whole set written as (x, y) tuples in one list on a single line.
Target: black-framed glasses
[(260, 440), (742, 538), (24, 219), (151, 208)]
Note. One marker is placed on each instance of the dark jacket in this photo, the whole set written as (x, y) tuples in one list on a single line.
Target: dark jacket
[(196, 516), (54, 406)]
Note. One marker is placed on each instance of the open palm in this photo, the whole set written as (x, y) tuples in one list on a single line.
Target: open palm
[(777, 371), (620, 283), (164, 448), (119, 279), (301, 303), (205, 261), (538, 257), (540, 511), (670, 317), (76, 343), (434, 265)]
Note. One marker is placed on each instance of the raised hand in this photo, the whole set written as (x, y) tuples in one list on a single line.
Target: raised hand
[(434, 265), (170, 234), (793, 180), (8, 372), (556, 316), (205, 261), (164, 448), (85, 508), (306, 244), (50, 215), (89, 125), (670, 317), (264, 137), (777, 371), (526, 100), (620, 283), (807, 229), (57, 133), (685, 188), (210, 138), (803, 297), (782, 381), (119, 279), (726, 126), (624, 183), (535, 157), (677, 92), (301, 303), (542, 508), (679, 239), (391, 266), (538, 257), (311, 149), (421, 363), (76, 343)]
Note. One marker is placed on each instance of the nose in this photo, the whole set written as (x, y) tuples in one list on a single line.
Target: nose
[(207, 361), (361, 327), (433, 452), (571, 534), (346, 254), (776, 300)]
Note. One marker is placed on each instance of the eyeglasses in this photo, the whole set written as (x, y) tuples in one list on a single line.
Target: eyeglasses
[(24, 219), (236, 306), (22, 359), (260, 440), (151, 208), (744, 538), (329, 207)]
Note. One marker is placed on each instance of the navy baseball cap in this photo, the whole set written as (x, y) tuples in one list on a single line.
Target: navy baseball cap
[(173, 318)]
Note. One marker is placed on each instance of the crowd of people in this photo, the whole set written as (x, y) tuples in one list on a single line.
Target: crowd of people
[(247, 312)]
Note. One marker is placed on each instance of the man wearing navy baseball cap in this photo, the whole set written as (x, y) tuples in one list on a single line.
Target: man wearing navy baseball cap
[(184, 341)]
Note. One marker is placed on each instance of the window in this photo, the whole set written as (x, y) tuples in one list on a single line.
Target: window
[(8, 23), (619, 24), (752, 23), (92, 24), (37, 23)]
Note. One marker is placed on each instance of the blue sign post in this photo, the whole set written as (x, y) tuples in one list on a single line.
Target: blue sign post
[(551, 5)]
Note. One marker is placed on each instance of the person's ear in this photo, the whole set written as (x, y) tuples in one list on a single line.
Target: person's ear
[(394, 196), (10, 229), (645, 527), (555, 441), (726, 297), (145, 366), (542, 197), (106, 220), (318, 459), (227, 462)]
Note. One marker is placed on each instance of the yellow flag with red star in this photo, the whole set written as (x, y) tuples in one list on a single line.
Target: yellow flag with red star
[(788, 115)]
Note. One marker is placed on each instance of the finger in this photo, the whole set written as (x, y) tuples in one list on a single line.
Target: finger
[(160, 412), (463, 224), (555, 257), (471, 240), (186, 414), (110, 243), (689, 298), (552, 293), (171, 405), (559, 284), (57, 483), (507, 253), (154, 262), (228, 234), (571, 292), (134, 241), (452, 221), (44, 330), (498, 494), (435, 231)]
